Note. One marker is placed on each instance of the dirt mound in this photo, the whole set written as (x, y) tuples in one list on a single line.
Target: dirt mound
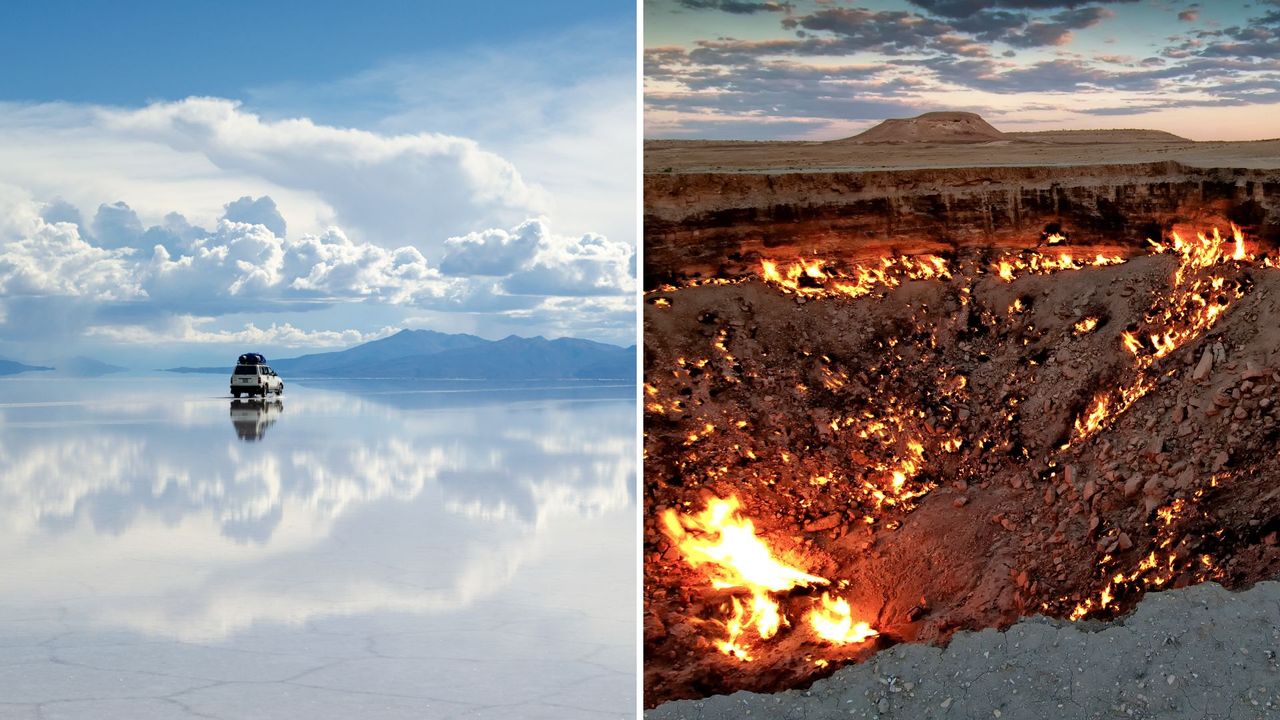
[(932, 127)]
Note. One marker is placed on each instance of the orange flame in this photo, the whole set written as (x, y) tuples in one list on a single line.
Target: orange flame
[(834, 623), (807, 276), (724, 542)]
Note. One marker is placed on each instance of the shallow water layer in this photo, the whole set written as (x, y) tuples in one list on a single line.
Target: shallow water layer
[(356, 550)]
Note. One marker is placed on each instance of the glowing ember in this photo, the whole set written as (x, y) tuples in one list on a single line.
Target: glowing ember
[(1086, 325), (834, 623)]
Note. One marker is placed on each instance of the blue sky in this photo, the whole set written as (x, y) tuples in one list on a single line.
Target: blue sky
[(823, 69), (97, 51), (198, 178)]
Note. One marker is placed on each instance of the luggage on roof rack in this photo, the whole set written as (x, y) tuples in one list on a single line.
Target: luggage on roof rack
[(252, 359)]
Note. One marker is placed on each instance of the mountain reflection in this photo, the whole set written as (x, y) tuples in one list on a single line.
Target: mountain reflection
[(359, 507), (251, 418)]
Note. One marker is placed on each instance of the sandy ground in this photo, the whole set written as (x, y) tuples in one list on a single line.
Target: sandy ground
[(1082, 148), (1199, 652)]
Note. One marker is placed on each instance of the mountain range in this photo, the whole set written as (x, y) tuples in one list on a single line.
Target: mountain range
[(78, 366), (434, 355), (13, 367)]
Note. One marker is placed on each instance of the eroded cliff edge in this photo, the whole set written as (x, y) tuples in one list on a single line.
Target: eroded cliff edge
[(707, 224)]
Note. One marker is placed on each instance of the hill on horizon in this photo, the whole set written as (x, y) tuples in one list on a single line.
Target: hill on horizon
[(955, 127), (428, 354), (930, 127)]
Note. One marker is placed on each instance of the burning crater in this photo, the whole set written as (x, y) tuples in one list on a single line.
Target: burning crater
[(842, 454)]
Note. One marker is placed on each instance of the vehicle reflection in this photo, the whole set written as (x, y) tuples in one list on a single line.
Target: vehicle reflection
[(251, 418)]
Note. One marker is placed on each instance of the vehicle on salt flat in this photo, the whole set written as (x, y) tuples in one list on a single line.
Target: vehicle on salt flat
[(253, 376)]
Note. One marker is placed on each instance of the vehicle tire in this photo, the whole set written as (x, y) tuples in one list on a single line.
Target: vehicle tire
[(235, 394), (262, 391), (280, 390)]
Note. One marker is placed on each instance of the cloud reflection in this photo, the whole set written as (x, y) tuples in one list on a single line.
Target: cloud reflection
[(158, 519)]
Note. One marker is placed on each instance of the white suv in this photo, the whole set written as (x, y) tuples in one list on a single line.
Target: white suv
[(255, 380)]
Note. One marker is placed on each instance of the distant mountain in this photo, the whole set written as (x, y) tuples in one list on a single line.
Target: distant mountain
[(357, 360), (433, 355), (517, 358), (931, 127), (12, 367), (81, 366)]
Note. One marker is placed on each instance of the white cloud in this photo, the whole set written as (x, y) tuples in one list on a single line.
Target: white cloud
[(400, 189), (256, 211), (539, 262), (178, 209), (43, 259), (58, 150), (569, 125), (238, 260), (331, 265), (494, 251), (190, 329), (587, 265)]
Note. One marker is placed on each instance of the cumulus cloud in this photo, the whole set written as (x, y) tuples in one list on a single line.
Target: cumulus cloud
[(536, 261), (256, 211), (494, 251), (38, 258), (332, 265), (172, 290), (116, 225), (378, 224), (587, 265), (391, 188)]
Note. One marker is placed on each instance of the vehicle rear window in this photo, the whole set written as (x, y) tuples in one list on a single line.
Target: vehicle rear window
[(246, 370)]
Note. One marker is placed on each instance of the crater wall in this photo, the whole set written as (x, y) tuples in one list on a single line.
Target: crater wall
[(713, 223)]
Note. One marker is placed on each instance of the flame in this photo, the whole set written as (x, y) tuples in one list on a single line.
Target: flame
[(1042, 264), (834, 623), (820, 278), (1086, 325), (1107, 407), (1055, 238), (1198, 299), (723, 542)]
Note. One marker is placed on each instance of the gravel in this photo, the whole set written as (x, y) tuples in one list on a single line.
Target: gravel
[(1199, 652)]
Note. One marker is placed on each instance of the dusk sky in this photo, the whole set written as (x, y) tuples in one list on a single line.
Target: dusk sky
[(824, 69), (193, 180)]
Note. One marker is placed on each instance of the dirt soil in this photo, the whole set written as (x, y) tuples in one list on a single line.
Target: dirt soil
[(1201, 653), (1100, 147), (803, 407)]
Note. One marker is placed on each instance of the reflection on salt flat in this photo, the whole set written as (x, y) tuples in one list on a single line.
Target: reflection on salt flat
[(150, 513), (251, 418)]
